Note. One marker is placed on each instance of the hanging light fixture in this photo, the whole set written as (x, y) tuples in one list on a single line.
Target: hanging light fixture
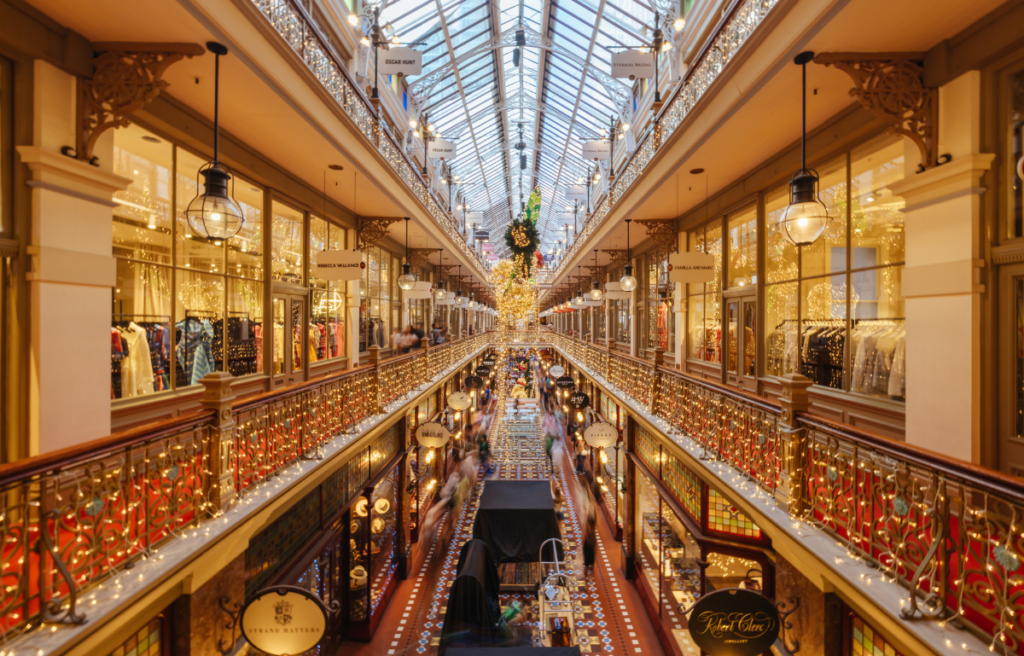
[(214, 214), (458, 294), (472, 301), (579, 290), (406, 281), (596, 294), (806, 217), (627, 282), (439, 292)]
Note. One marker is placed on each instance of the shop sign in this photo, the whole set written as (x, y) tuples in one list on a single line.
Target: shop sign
[(442, 149), (420, 291), (579, 400), (483, 372), (401, 61), (601, 435), (459, 400), (557, 371), (284, 620), (597, 150), (474, 218), (474, 382), (734, 622), (565, 382), (432, 434), (593, 303), (576, 192), (449, 299), (339, 265), (691, 267), (490, 360), (632, 64), (613, 292)]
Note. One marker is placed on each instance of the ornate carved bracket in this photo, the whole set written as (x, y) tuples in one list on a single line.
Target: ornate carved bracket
[(891, 86), (618, 257), (662, 232), (373, 229), (126, 77), (420, 257), (595, 271)]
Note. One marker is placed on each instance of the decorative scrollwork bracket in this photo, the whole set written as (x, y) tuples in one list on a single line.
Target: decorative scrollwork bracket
[(233, 610), (891, 86), (786, 608), (372, 230), (126, 77), (663, 233), (54, 611)]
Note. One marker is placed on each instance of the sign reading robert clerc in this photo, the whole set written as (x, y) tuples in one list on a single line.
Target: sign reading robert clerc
[(284, 620), (339, 265), (734, 622), (565, 382)]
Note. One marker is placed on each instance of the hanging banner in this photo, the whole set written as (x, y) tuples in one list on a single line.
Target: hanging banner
[(442, 149), (691, 267), (613, 292), (339, 265), (421, 291), (400, 62), (601, 435), (597, 150), (632, 64), (576, 192), (459, 400), (579, 400), (284, 620), (557, 371), (565, 382), (432, 434), (734, 622)]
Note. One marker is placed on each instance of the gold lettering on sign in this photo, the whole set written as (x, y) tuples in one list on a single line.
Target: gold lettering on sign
[(734, 627)]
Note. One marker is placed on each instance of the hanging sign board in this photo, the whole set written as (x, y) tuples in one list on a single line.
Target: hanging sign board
[(490, 359), (565, 382), (401, 62), (483, 372), (613, 292), (593, 303), (632, 64), (474, 382), (284, 620), (442, 149), (449, 299), (474, 218), (597, 150), (420, 291), (557, 371), (601, 435), (459, 400), (579, 400), (691, 267), (339, 265), (576, 192), (432, 434), (734, 622)]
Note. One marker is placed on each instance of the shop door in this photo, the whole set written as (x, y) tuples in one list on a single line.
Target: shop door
[(1010, 456), (741, 351), (288, 361)]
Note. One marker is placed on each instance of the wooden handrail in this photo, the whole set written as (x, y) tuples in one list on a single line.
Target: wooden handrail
[(62, 458), (250, 402), (735, 394)]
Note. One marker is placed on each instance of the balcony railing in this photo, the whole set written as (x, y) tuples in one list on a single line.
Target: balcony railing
[(293, 23), (71, 519), (729, 36), (951, 533)]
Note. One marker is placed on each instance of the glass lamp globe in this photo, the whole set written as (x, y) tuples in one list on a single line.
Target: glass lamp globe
[(439, 292), (406, 281), (579, 297), (458, 298), (596, 294), (214, 214), (806, 217), (628, 282)]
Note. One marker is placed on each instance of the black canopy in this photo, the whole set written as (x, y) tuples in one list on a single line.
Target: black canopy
[(514, 651), (515, 518), (473, 608)]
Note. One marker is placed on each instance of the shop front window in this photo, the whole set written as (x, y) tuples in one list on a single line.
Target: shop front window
[(742, 270), (703, 301), (375, 318), (1015, 185), (649, 532), (660, 328), (728, 571), (327, 297), (287, 254)]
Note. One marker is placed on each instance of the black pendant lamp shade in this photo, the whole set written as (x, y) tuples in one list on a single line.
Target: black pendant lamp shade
[(214, 214), (406, 281), (806, 217), (439, 291), (627, 282)]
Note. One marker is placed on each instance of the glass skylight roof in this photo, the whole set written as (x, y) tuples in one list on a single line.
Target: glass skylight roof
[(483, 98)]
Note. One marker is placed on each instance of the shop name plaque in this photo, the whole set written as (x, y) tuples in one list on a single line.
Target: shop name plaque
[(284, 620), (734, 622)]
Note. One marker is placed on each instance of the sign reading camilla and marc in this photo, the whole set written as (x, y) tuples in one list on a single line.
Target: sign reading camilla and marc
[(285, 620), (734, 622)]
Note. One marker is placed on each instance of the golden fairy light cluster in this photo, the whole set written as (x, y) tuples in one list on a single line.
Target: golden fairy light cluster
[(519, 236), (517, 294)]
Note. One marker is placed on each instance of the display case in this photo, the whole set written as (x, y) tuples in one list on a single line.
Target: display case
[(373, 535)]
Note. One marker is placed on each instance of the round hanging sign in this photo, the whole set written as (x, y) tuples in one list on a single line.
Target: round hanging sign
[(557, 371), (734, 622), (474, 382), (483, 371), (490, 360), (601, 435), (432, 434), (459, 400), (284, 620), (565, 382), (579, 400)]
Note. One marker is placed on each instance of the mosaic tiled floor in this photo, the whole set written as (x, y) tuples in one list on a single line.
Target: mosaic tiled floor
[(611, 618)]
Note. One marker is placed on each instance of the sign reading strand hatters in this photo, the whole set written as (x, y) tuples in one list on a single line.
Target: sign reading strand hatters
[(284, 620)]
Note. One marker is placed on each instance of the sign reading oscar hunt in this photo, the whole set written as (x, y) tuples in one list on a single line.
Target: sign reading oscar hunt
[(442, 149), (339, 265), (734, 622), (284, 620), (432, 434), (691, 267), (401, 61)]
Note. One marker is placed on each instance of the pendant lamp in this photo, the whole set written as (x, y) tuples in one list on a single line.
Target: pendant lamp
[(596, 294), (406, 281), (439, 291), (627, 282), (458, 294), (579, 292), (213, 213), (806, 217)]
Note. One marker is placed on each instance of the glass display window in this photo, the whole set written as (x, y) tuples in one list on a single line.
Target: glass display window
[(681, 578), (143, 214), (245, 250), (373, 534), (725, 570), (828, 253), (648, 533), (286, 256), (192, 251), (660, 324), (742, 269), (703, 299), (327, 297), (376, 324)]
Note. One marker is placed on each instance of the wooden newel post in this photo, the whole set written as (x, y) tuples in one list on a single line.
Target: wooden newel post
[(220, 445), (375, 363), (792, 491), (659, 361)]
